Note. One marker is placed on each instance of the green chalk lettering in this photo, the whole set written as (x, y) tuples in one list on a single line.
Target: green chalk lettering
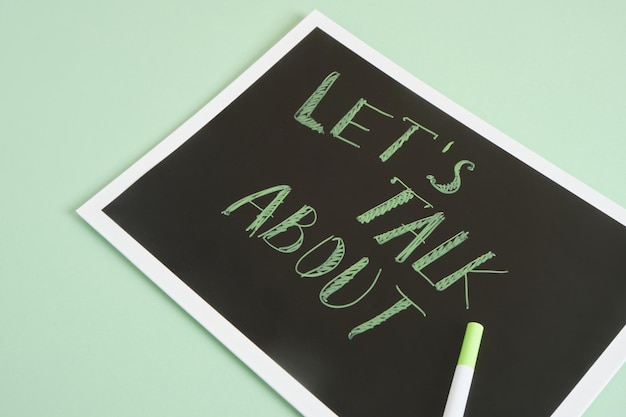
[(342, 279), (303, 115), (427, 226), (394, 147), (454, 185), (347, 119), (386, 206), (291, 222), (329, 264), (395, 201), (281, 192), (455, 276), (463, 272), (438, 252), (401, 305), (447, 147), (466, 281)]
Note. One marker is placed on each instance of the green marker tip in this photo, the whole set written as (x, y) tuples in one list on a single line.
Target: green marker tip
[(471, 344)]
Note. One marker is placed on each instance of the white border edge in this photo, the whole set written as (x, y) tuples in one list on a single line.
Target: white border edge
[(473, 122), (577, 400), (234, 340), (596, 378), (91, 211), (614, 356), (207, 112)]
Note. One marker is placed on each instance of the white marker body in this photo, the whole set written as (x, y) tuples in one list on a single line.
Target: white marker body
[(459, 391)]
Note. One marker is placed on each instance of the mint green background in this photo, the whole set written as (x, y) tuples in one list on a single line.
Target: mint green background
[(88, 87)]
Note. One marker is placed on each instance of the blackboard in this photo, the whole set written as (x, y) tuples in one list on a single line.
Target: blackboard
[(336, 223)]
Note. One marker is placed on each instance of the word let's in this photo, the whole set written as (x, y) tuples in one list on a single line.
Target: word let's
[(304, 115)]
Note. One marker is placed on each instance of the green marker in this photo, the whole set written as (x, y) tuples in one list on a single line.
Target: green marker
[(462, 380)]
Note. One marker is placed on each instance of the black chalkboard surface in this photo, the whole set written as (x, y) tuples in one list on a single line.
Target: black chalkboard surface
[(336, 223)]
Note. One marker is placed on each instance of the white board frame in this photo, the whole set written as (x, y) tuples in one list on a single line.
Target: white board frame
[(305, 402)]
